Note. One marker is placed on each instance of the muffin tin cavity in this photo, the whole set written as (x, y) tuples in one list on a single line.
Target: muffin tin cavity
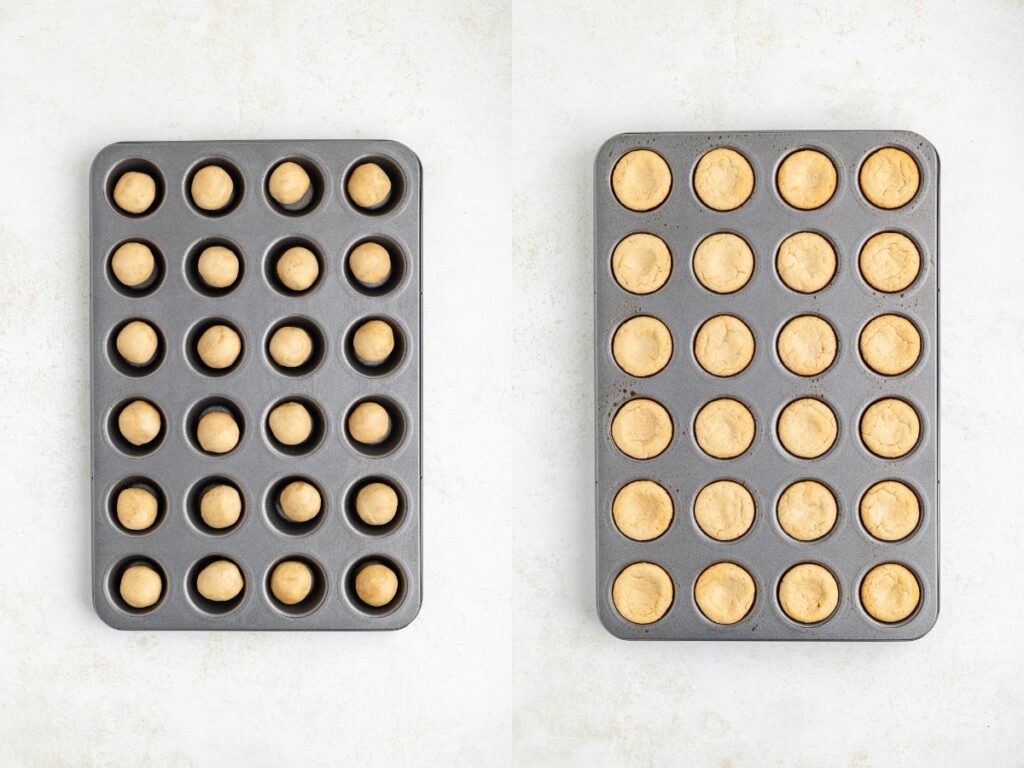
[(296, 505), (295, 266), (135, 188), (214, 187), (375, 266), (136, 346), (375, 585), (295, 186), (137, 505), (374, 185), (135, 267), (214, 266)]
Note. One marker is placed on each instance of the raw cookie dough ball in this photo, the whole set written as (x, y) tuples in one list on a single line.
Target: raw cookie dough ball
[(724, 179), (889, 178), (807, 179), (642, 346), (290, 423), (890, 592), (806, 262), (300, 501), (724, 428), (807, 345), (220, 506), (218, 266), (643, 593), (136, 508), (220, 581), (725, 593), (218, 432), (890, 428), (133, 264), (890, 511), (298, 268), (641, 263), (376, 584), (291, 346), (369, 423), (890, 262), (724, 345), (369, 186), (641, 180), (377, 503), (135, 192), (890, 345), (370, 264), (291, 582), (808, 593), (808, 428), (141, 586), (723, 262), (219, 346), (289, 183), (137, 343), (642, 429), (373, 342), (212, 188), (139, 422), (724, 510), (807, 510), (642, 510)]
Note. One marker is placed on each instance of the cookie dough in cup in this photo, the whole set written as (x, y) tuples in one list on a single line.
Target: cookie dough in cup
[(291, 582), (890, 345), (137, 343), (290, 423), (218, 267), (890, 262), (376, 585), (724, 179), (807, 345), (219, 347), (220, 581), (807, 510), (297, 268), (376, 504), (641, 263), (370, 264), (218, 432), (290, 185), (212, 188), (373, 342), (643, 593), (808, 593), (724, 345), (136, 508), (220, 506), (641, 180), (642, 510), (890, 428), (724, 428), (890, 178), (141, 586), (133, 264), (806, 262), (723, 262), (300, 501), (808, 428), (135, 192), (369, 186), (290, 346), (642, 428), (642, 346), (724, 510), (890, 593), (369, 423), (807, 179), (725, 593), (139, 423), (890, 511)]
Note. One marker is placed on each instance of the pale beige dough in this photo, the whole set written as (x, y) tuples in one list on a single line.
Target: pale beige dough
[(808, 593), (219, 346), (133, 264), (377, 503), (889, 178), (369, 186), (890, 510), (642, 346), (369, 423), (808, 428), (212, 188), (298, 268), (723, 262), (139, 422), (806, 262), (643, 593), (890, 592), (642, 510), (135, 192), (220, 506), (291, 346), (641, 263), (725, 593), (890, 428), (218, 432), (141, 586), (300, 501), (220, 581), (289, 183), (724, 179), (137, 343), (642, 428), (291, 582), (218, 266), (807, 510), (890, 262), (724, 345), (641, 180), (724, 510), (376, 584), (807, 345), (373, 342), (890, 345), (724, 428), (137, 508), (290, 423), (370, 264), (807, 179)]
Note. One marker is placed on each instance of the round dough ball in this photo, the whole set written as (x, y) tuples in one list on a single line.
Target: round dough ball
[(137, 343), (724, 510), (808, 593), (642, 429), (220, 506), (369, 423), (291, 346), (376, 584), (139, 422), (807, 345), (641, 263), (377, 503), (218, 266), (724, 179), (890, 592), (219, 346), (806, 262), (373, 342), (724, 428), (807, 510), (889, 178), (212, 188), (141, 586), (137, 508), (725, 593), (890, 511), (807, 179), (218, 432), (641, 180), (290, 423), (724, 345), (300, 501), (890, 262), (369, 186), (370, 264), (643, 593), (723, 262), (890, 428), (220, 581), (642, 510), (642, 346), (298, 268), (890, 345), (808, 428), (135, 192), (291, 582), (133, 264), (289, 183)]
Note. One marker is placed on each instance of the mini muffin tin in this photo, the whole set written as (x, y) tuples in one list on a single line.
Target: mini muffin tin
[(179, 306), (765, 304)]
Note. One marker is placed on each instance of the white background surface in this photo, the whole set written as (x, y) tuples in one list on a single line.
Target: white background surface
[(507, 663)]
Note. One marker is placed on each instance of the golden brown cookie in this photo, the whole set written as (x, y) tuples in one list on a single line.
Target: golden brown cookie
[(643, 593), (807, 510), (376, 503), (890, 262), (141, 586), (807, 345), (889, 178), (808, 593), (220, 506), (808, 428), (220, 581), (641, 180), (642, 346), (218, 266), (369, 423), (890, 510), (723, 262), (135, 192), (724, 510), (139, 422), (137, 343), (376, 584), (890, 345), (641, 263), (218, 432), (642, 510), (133, 264), (890, 592), (369, 186), (370, 264), (290, 346), (136, 508), (725, 593), (890, 428), (807, 179), (289, 183), (806, 262), (724, 345), (290, 423), (219, 346), (291, 582), (724, 428), (724, 179), (212, 188), (642, 428)]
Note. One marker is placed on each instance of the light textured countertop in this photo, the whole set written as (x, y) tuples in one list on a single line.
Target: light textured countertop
[(507, 663)]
